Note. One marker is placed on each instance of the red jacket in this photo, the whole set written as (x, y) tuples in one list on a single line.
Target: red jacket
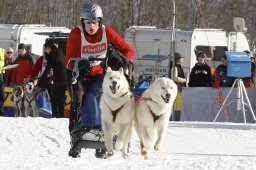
[(37, 69), (74, 45), (23, 71)]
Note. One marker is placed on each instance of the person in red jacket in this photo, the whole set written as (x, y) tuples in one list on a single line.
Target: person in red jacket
[(91, 39), (25, 67), (39, 69)]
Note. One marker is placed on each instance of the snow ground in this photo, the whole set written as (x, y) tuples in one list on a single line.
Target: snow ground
[(39, 143)]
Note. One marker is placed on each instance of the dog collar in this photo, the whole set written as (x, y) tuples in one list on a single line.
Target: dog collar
[(125, 94)]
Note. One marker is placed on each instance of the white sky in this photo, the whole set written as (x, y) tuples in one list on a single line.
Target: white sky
[(38, 143)]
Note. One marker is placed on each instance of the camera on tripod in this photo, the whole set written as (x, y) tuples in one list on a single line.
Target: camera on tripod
[(239, 64)]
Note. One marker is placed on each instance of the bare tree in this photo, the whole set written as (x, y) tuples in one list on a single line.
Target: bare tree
[(120, 14)]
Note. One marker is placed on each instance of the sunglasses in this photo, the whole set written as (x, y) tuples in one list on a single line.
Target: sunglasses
[(96, 21), (9, 52), (200, 55)]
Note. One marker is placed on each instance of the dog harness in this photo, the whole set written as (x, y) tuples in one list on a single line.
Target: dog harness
[(155, 117), (29, 101), (16, 104), (114, 112)]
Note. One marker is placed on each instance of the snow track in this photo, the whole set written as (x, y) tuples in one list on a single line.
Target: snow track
[(39, 143)]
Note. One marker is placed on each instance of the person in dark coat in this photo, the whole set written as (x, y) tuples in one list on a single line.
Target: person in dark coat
[(201, 75), (55, 63)]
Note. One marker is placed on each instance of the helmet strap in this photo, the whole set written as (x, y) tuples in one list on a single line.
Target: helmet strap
[(100, 22)]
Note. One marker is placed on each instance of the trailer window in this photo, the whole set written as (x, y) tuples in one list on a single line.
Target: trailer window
[(215, 52), (219, 52)]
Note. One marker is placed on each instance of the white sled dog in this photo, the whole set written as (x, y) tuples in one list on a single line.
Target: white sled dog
[(117, 111), (31, 108), (153, 112)]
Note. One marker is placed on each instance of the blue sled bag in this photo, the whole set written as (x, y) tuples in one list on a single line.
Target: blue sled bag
[(90, 111), (142, 85), (44, 104)]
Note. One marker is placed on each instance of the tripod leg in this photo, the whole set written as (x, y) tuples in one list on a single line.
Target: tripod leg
[(248, 102), (241, 103), (223, 104)]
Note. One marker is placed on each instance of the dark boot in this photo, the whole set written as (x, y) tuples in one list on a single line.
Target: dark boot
[(2, 113)]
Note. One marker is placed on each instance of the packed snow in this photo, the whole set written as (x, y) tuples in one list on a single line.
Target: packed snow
[(39, 143)]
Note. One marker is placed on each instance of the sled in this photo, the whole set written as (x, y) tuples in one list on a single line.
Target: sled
[(42, 100), (86, 132)]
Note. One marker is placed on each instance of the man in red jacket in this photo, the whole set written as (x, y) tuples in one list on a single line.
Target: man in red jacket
[(91, 39), (25, 67)]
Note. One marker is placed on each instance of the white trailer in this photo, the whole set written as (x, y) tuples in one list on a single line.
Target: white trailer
[(152, 47), (32, 35)]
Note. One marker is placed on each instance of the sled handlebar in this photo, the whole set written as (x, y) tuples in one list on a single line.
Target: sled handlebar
[(75, 64)]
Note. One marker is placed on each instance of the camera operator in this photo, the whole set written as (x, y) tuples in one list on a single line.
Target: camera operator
[(221, 74)]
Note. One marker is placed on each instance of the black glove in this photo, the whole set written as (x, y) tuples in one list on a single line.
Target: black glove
[(84, 68), (115, 62)]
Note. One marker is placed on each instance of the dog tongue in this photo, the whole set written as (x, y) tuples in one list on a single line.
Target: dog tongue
[(113, 89)]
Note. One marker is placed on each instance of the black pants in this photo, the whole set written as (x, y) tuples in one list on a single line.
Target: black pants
[(2, 113), (57, 97)]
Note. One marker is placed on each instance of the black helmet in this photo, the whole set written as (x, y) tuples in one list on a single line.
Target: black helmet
[(91, 11)]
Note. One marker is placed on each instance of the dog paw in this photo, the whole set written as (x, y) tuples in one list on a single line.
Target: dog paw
[(156, 147), (125, 156), (146, 157), (118, 145), (110, 153), (144, 151)]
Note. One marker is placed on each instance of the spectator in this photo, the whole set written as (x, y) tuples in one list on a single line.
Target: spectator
[(25, 67), (2, 52), (52, 66), (179, 76), (253, 60), (8, 60), (221, 74), (39, 69), (247, 80), (180, 80), (201, 75), (91, 39), (253, 80)]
